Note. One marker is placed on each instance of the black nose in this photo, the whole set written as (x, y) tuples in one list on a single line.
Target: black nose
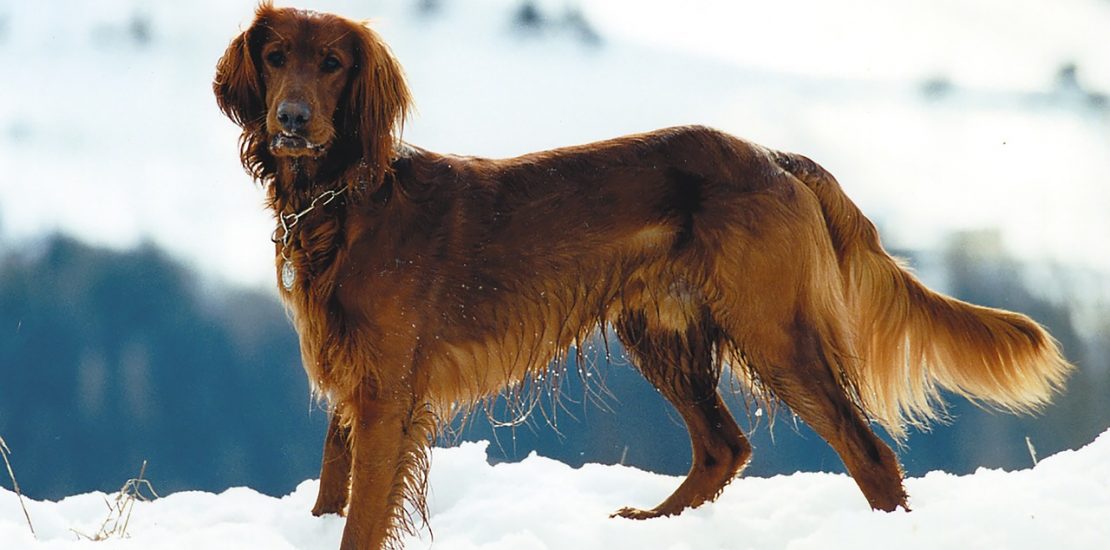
[(293, 115)]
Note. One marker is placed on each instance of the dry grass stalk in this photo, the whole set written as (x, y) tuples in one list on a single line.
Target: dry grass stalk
[(119, 509)]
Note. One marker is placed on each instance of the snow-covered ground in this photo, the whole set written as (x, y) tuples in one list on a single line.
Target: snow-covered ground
[(1062, 503), (109, 131)]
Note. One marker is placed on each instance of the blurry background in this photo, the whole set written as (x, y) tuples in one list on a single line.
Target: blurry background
[(138, 318)]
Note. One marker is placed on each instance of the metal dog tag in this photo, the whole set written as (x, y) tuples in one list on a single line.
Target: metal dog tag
[(288, 275)]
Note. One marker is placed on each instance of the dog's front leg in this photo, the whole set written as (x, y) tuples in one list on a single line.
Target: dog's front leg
[(335, 469), (385, 439)]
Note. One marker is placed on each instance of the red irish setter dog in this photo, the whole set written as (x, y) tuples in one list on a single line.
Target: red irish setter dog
[(421, 284)]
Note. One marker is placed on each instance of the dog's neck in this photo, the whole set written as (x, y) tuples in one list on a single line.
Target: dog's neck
[(299, 181), (300, 195), (295, 182)]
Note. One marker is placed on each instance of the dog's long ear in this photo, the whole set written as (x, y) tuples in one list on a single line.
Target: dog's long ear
[(378, 103), (238, 83)]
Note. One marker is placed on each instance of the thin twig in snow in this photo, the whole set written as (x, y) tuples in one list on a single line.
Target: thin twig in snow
[(5, 451)]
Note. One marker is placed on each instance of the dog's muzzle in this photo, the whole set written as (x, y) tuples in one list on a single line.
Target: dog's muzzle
[(292, 145)]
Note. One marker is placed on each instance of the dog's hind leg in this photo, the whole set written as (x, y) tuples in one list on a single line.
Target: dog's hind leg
[(335, 470), (804, 378), (793, 335), (778, 295), (682, 367)]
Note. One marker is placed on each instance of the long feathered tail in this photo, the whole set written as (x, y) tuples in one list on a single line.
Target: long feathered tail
[(912, 341)]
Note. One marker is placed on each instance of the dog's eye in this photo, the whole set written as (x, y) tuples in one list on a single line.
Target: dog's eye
[(275, 58), (330, 64)]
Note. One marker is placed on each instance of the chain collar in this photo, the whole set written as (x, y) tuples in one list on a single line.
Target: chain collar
[(286, 222)]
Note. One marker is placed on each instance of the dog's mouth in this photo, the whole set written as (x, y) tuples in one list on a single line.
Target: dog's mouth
[(292, 145)]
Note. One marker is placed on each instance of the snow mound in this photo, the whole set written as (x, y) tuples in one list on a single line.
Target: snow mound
[(539, 503)]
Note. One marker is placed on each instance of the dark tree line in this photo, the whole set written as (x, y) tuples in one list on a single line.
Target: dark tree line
[(109, 358)]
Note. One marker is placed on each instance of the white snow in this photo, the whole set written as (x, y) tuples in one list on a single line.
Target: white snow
[(1062, 503)]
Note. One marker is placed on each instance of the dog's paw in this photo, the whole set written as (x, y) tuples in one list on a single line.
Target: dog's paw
[(636, 513), (323, 510)]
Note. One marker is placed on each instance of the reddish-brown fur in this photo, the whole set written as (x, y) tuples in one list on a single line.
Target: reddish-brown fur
[(425, 283)]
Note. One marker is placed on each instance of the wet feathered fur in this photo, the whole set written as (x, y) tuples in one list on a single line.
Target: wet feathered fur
[(434, 281)]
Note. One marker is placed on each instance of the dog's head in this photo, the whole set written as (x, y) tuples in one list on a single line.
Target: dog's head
[(306, 84)]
